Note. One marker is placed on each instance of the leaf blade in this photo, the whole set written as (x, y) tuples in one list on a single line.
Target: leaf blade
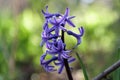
[(116, 74), (82, 66)]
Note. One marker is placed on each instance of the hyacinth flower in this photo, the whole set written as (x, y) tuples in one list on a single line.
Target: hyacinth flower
[(77, 36), (47, 36), (48, 15), (58, 49), (46, 63), (57, 21), (55, 44), (61, 63)]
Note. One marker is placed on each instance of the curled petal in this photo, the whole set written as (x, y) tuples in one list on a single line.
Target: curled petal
[(71, 59), (48, 15), (46, 64), (70, 22), (44, 12), (66, 56), (81, 30), (57, 63), (61, 68), (46, 9), (65, 15), (77, 36), (45, 25), (52, 52), (42, 58), (49, 68)]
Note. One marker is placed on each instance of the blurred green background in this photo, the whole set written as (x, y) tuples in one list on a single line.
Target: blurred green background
[(21, 24)]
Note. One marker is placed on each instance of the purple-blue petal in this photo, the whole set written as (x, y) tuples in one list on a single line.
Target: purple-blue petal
[(77, 36), (65, 15), (81, 30), (70, 22), (71, 17), (49, 68), (61, 68), (66, 56), (57, 63), (71, 59), (42, 43)]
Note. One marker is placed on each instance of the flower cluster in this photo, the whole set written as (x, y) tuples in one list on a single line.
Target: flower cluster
[(52, 39)]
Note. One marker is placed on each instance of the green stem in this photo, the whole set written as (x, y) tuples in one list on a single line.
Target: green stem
[(82, 66)]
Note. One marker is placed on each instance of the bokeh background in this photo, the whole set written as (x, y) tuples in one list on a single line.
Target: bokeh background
[(21, 24)]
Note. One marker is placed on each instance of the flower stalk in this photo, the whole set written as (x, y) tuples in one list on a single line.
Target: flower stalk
[(66, 62)]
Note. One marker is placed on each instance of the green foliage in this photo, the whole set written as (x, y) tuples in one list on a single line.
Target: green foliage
[(3, 67)]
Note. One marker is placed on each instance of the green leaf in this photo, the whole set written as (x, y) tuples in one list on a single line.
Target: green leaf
[(82, 66), (116, 73)]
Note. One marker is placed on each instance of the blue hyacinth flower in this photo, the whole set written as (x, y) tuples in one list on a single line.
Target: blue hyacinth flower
[(58, 49), (48, 15), (47, 36), (61, 65), (54, 24), (46, 63), (77, 36)]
